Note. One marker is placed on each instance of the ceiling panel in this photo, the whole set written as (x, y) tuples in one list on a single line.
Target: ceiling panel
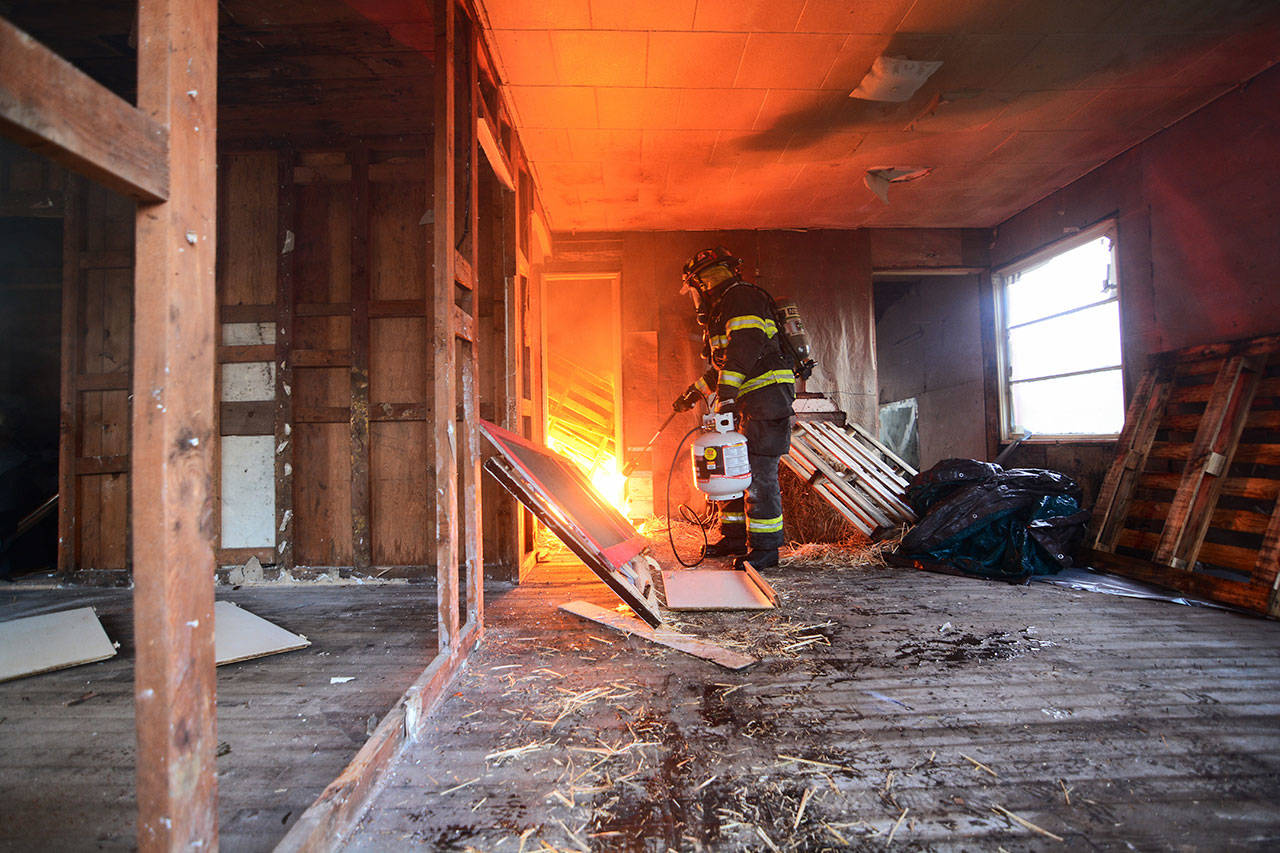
[(652, 15), (736, 113), (600, 57), (694, 60), (748, 16)]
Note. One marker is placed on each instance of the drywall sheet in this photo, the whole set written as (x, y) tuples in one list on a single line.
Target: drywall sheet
[(248, 491), (240, 635), (713, 589), (252, 381), (562, 499), (52, 641)]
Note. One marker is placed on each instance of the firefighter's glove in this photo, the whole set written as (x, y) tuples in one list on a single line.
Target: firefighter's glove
[(687, 400), (730, 406)]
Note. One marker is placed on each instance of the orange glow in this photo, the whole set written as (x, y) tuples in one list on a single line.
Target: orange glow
[(602, 469)]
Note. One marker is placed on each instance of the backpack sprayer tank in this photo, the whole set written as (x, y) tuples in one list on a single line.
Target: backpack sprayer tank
[(721, 468)]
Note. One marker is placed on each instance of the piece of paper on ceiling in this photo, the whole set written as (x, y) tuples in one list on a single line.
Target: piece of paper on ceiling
[(240, 635), (36, 644), (713, 589), (878, 184), (894, 79)]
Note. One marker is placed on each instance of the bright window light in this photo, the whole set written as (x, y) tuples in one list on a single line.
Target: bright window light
[(1059, 318)]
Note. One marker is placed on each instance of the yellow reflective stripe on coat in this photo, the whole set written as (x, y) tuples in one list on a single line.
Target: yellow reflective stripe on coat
[(719, 341), (771, 377), (751, 321), (732, 378), (732, 518), (702, 385), (764, 525)]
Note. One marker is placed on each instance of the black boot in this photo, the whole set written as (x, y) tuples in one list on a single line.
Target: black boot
[(759, 558), (726, 548)]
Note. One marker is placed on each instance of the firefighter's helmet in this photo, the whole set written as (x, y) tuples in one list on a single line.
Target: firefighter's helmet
[(707, 258)]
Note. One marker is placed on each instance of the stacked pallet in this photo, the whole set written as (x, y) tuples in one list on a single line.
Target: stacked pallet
[(1191, 501), (580, 412), (857, 475)]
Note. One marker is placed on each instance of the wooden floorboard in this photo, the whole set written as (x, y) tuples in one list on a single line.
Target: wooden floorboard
[(1106, 721), (66, 771)]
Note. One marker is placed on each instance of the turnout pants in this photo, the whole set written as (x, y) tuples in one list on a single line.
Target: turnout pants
[(757, 518)]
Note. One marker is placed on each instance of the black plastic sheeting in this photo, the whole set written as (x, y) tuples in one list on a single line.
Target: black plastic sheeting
[(982, 520)]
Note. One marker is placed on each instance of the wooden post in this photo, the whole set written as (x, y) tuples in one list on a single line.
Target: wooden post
[(361, 537), (69, 429), (444, 394), (474, 543), (285, 204), (173, 523)]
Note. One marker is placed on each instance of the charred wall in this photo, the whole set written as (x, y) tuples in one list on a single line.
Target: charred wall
[(1197, 220)]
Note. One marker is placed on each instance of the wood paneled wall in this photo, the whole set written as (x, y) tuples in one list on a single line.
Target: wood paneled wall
[(331, 248)]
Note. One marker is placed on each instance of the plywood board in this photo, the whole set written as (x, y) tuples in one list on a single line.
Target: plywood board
[(52, 641), (713, 589), (240, 635), (663, 636)]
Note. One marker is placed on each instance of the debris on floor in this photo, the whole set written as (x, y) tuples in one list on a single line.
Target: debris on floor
[(51, 641), (239, 635)]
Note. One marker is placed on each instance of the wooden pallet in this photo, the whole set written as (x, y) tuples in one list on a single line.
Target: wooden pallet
[(1192, 501), (848, 466)]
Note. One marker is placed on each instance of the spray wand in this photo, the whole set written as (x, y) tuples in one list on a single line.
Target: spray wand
[(631, 466)]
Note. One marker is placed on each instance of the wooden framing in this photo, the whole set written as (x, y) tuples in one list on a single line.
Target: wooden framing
[(173, 432), (50, 106), (1192, 500)]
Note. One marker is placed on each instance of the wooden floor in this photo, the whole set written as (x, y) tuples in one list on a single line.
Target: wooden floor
[(67, 738), (891, 707)]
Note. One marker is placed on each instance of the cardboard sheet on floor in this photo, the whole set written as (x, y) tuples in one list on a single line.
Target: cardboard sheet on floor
[(559, 495), (35, 644), (713, 589), (664, 636), (240, 635)]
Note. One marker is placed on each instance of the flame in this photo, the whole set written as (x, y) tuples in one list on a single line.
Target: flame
[(602, 471)]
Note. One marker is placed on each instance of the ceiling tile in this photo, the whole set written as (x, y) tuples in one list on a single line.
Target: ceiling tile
[(1036, 16), (842, 16), (1055, 147), (796, 109), (837, 146), (1043, 110), (605, 145), (545, 14), (637, 108), (853, 60), (689, 147), (649, 15), (929, 149), (547, 144), (694, 60), (740, 16), (787, 60), (719, 109), (600, 57), (555, 106), (981, 61), (571, 174), (525, 57), (743, 150)]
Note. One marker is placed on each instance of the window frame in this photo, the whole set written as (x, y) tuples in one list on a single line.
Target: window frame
[(999, 276)]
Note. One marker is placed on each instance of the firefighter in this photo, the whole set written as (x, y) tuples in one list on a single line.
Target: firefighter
[(750, 377)]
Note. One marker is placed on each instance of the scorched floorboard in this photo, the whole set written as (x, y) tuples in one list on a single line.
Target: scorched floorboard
[(67, 770), (891, 706)]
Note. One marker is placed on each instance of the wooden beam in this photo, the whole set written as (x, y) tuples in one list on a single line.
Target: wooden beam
[(473, 543), (173, 559), (444, 391), (54, 108), (69, 429), (361, 535)]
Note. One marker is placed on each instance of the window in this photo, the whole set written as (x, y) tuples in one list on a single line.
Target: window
[(1058, 313)]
